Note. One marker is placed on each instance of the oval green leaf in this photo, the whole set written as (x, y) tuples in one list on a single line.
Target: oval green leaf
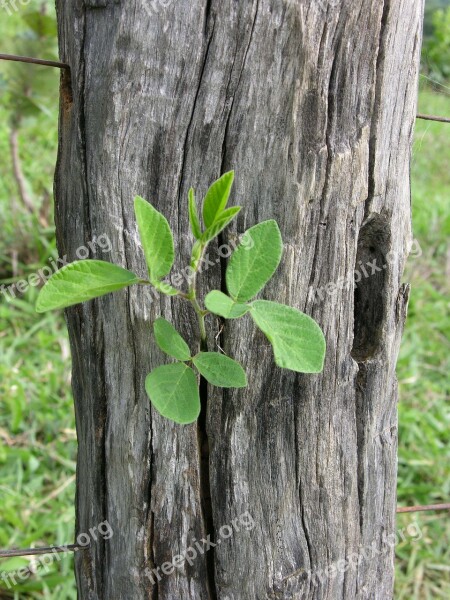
[(170, 341), (254, 261), (297, 340), (173, 391), (216, 198), (80, 281), (156, 238), (220, 304), (220, 370)]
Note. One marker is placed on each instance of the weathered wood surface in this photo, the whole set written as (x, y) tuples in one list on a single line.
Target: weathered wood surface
[(313, 103)]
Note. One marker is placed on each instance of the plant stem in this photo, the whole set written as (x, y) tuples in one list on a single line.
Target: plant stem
[(192, 295), (200, 315), (201, 321)]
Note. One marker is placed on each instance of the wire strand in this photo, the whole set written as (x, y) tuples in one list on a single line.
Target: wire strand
[(36, 551), (410, 509), (34, 61), (433, 118)]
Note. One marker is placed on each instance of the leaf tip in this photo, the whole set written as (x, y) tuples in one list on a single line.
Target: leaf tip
[(39, 308)]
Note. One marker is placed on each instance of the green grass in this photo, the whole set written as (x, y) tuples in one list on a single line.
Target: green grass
[(37, 443), (37, 431), (423, 568), (37, 437)]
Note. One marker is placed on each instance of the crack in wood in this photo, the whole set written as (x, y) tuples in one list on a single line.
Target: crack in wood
[(151, 516), (194, 106), (372, 192), (205, 482)]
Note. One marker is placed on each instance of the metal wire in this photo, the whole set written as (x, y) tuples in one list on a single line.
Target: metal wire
[(34, 61), (36, 551), (410, 509), (433, 118)]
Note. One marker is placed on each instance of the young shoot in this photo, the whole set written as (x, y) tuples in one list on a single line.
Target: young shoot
[(297, 340)]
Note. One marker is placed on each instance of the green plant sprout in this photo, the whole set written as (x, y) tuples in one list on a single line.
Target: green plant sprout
[(297, 340)]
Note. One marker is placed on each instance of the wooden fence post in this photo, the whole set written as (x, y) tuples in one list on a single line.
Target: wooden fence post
[(312, 103)]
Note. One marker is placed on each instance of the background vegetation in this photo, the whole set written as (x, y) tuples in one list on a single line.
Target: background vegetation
[(37, 432)]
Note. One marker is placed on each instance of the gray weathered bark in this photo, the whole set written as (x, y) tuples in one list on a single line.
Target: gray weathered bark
[(313, 103)]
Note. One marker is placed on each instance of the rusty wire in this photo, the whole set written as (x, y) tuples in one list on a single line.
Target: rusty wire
[(433, 118), (410, 509), (36, 551), (34, 61)]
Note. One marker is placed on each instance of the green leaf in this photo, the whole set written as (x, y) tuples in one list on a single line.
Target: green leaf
[(220, 370), (222, 221), (173, 391), (193, 216), (170, 341), (216, 198), (297, 340), (254, 261), (156, 238), (220, 304), (83, 280)]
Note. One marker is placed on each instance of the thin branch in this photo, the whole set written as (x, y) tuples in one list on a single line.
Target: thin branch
[(27, 201), (433, 118), (410, 509), (34, 61), (19, 176), (36, 551)]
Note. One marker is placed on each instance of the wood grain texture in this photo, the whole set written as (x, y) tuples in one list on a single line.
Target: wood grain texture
[(313, 103)]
